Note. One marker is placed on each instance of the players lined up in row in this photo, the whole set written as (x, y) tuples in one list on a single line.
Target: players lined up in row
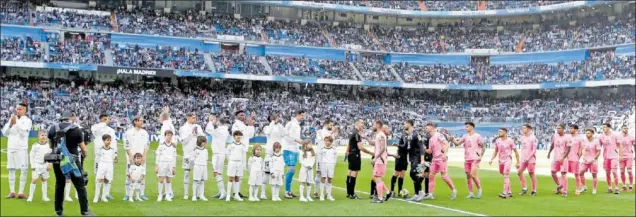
[(617, 149)]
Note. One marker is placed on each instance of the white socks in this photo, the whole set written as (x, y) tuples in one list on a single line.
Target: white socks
[(67, 190), (169, 188), (220, 184), (186, 181), (302, 189), (97, 188), (229, 188), (143, 187), (322, 190), (308, 191), (12, 180), (160, 188), (23, 181), (32, 190), (237, 188), (329, 189)]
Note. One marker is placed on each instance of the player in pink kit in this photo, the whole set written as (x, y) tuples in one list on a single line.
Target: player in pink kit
[(611, 156), (438, 146), (528, 159), (561, 147), (591, 152), (380, 161), (473, 152), (504, 147), (575, 155), (627, 143)]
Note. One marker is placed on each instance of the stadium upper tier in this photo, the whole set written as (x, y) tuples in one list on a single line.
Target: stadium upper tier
[(425, 38), (341, 104), (419, 5), (99, 49)]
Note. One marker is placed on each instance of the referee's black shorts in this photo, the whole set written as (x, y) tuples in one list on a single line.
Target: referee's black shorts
[(401, 164), (355, 162)]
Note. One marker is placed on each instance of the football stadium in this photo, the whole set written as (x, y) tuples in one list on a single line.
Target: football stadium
[(317, 108)]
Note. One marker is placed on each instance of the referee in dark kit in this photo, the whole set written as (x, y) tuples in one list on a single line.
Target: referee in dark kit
[(353, 156)]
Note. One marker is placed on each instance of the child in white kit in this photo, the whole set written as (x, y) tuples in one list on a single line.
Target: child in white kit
[(39, 167), (255, 166), (329, 156), (165, 168), (306, 176), (277, 167), (107, 157), (235, 165), (200, 169), (136, 175)]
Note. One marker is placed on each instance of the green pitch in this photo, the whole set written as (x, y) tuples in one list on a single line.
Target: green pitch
[(545, 203)]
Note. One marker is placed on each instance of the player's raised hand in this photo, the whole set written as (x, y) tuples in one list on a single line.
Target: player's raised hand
[(14, 119), (212, 119), (250, 122)]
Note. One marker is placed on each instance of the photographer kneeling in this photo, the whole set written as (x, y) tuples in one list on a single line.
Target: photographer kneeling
[(65, 139)]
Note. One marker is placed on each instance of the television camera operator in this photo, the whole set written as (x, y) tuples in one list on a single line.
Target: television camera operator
[(74, 142)]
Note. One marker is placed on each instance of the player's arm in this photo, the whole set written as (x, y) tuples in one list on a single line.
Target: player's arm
[(5, 129), (455, 141), (533, 149), (551, 147), (127, 146), (146, 146), (620, 151), (598, 153), (567, 151), (23, 127), (158, 154), (363, 149), (32, 155), (494, 154), (210, 129), (514, 148), (483, 148), (445, 148)]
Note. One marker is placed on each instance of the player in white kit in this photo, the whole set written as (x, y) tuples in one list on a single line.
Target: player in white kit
[(165, 166), (255, 166), (236, 152), (104, 175), (188, 134), (219, 130), (329, 156), (274, 132), (17, 133), (200, 174), (40, 169), (137, 142)]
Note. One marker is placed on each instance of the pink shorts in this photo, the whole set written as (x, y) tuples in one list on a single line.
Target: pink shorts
[(610, 164), (557, 167), (529, 166), (573, 167), (626, 163), (379, 170), (438, 166), (504, 168), (469, 165), (589, 167)]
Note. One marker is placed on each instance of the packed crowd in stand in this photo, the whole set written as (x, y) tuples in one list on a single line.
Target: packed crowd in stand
[(78, 50), (373, 68), (338, 103), (454, 37), (16, 13), (238, 63), (21, 49), (445, 5), (300, 66), (158, 57)]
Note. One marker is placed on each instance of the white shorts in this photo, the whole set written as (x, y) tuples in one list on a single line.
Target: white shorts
[(235, 168), (105, 171), (256, 178), (40, 172), (200, 173), (327, 170), (218, 162), (306, 175), (18, 159), (277, 178), (165, 169), (188, 162)]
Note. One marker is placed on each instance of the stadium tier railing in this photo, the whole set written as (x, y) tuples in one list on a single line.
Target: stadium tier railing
[(436, 14)]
